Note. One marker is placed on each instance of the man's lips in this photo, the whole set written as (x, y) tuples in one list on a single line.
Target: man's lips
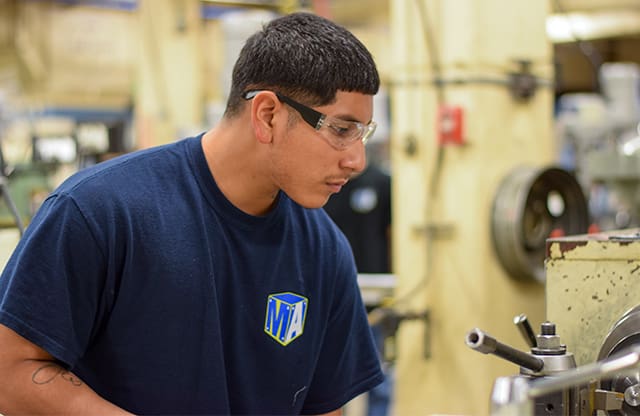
[(336, 184)]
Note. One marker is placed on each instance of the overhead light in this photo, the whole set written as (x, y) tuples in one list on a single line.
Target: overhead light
[(571, 27)]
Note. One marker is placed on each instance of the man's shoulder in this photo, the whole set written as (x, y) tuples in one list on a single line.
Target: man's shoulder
[(124, 170)]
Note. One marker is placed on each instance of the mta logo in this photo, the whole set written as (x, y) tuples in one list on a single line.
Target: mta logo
[(286, 313)]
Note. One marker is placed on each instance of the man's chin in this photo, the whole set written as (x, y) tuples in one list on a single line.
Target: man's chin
[(314, 203)]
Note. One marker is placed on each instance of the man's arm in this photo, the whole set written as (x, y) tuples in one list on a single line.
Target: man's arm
[(32, 382)]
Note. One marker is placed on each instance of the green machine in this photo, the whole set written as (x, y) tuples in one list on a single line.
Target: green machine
[(23, 187)]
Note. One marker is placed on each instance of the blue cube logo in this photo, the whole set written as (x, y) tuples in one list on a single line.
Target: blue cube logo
[(286, 313)]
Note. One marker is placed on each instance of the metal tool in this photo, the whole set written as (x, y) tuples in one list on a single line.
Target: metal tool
[(515, 396), (548, 358)]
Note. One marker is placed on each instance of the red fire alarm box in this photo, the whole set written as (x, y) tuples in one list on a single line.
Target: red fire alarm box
[(450, 125)]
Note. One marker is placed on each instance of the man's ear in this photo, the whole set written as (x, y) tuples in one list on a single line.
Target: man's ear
[(264, 107)]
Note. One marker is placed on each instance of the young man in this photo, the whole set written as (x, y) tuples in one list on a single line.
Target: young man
[(201, 277)]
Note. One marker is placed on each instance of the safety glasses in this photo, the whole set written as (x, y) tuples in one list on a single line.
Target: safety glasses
[(339, 133)]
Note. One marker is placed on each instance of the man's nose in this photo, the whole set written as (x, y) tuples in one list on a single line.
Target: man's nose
[(354, 158)]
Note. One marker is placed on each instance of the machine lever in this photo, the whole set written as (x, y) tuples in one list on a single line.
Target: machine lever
[(624, 360), (522, 322), (486, 344)]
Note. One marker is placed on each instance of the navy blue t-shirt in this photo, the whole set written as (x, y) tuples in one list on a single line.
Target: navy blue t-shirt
[(142, 278)]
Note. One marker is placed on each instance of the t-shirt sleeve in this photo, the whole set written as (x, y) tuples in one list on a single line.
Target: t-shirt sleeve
[(49, 289), (348, 364)]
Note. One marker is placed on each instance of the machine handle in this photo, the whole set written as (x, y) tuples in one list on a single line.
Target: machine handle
[(526, 330), (486, 344)]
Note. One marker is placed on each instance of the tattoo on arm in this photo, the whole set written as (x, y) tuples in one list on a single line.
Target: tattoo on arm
[(48, 372)]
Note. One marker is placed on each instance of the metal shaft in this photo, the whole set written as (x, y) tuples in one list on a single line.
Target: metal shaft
[(486, 344), (629, 359), (522, 322)]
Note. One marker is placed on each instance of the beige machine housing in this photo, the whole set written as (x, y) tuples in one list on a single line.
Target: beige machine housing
[(591, 282)]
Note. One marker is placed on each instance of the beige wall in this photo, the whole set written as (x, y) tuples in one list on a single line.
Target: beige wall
[(69, 56), (443, 254), (8, 240), (98, 58)]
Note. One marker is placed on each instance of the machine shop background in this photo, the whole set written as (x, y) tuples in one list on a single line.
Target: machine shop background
[(510, 129)]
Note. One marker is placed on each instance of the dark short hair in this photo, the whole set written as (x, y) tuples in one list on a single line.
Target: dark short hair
[(305, 56)]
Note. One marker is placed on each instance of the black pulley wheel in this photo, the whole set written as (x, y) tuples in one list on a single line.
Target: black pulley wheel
[(531, 205)]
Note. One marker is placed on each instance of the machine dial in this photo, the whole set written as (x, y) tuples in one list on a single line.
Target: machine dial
[(625, 333)]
